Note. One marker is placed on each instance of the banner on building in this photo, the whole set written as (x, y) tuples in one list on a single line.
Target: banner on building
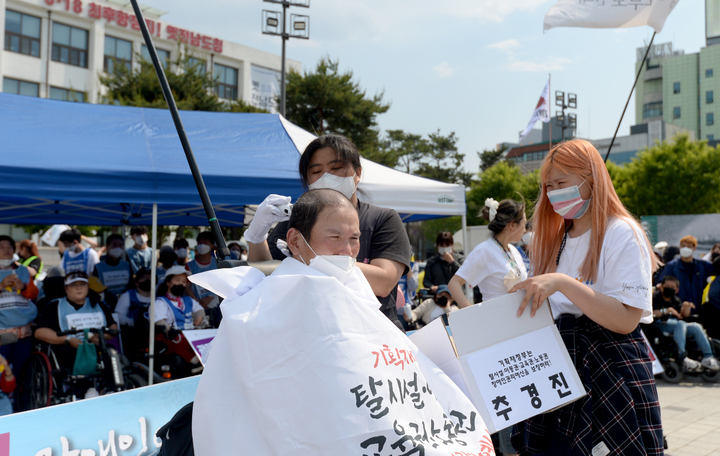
[(265, 88), (609, 13), (541, 112), (119, 424)]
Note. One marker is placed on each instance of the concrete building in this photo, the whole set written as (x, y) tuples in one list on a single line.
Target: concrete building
[(57, 48), (680, 88)]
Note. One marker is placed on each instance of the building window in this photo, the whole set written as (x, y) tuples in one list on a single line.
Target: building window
[(709, 119), (70, 45), (652, 109), (676, 87), (711, 137), (21, 87), (200, 64), (57, 93), (709, 96), (117, 51), (227, 82), (676, 112), (164, 56), (22, 33), (709, 73)]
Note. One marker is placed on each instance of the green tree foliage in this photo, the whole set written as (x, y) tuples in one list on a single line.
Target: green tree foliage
[(192, 88), (442, 161), (488, 157), (677, 177), (500, 181), (328, 101)]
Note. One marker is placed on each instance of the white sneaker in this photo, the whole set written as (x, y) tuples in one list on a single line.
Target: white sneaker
[(711, 363), (690, 365)]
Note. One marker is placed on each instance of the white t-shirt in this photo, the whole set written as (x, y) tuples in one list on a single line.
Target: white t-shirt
[(624, 270), (92, 259), (487, 265), (123, 305), (164, 312)]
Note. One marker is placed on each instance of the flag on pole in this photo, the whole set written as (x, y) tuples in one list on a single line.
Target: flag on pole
[(609, 13), (542, 111)]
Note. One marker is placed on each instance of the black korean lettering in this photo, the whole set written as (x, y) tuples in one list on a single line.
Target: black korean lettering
[(375, 404), (534, 396), (418, 403), (558, 382), (379, 441), (417, 449), (359, 399), (502, 400)]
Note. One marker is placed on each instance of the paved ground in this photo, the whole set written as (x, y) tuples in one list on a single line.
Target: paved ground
[(691, 417)]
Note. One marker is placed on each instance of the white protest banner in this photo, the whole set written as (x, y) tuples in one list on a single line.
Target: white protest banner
[(609, 13), (265, 88), (514, 369), (541, 112), (201, 342), (52, 235)]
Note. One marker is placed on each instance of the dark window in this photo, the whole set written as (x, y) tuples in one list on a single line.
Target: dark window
[(200, 64), (709, 119), (20, 87), (676, 87), (709, 96), (676, 112), (652, 109), (57, 93), (227, 79), (70, 45), (22, 33), (711, 137), (709, 73), (164, 56), (117, 51)]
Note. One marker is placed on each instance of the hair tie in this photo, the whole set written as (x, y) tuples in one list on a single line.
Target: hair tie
[(283, 246), (492, 206)]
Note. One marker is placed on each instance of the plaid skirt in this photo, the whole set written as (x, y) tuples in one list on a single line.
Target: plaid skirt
[(621, 408)]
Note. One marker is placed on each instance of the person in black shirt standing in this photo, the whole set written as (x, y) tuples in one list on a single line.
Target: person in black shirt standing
[(669, 313), (443, 266), (332, 161)]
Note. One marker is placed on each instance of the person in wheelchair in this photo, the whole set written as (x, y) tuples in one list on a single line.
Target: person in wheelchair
[(434, 307), (669, 314), (76, 310), (132, 309)]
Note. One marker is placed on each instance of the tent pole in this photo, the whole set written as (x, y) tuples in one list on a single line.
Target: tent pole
[(153, 284), (468, 288)]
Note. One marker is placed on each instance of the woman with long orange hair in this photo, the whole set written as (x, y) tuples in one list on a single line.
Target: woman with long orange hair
[(593, 263)]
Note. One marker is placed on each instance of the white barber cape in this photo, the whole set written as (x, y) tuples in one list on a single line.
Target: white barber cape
[(305, 365)]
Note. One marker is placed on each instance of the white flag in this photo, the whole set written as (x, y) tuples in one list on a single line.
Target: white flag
[(542, 111), (609, 13)]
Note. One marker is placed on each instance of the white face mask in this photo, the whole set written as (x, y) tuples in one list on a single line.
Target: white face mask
[(686, 252), (181, 253), (116, 252), (243, 257), (345, 185), (338, 266), (527, 238), (6, 263), (202, 249), (444, 250), (140, 240)]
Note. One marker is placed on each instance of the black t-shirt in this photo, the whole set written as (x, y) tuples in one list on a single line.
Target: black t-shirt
[(382, 235), (49, 319), (660, 303)]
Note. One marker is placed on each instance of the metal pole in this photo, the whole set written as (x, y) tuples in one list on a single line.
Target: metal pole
[(647, 51), (153, 284), (222, 251), (466, 251), (282, 68), (550, 107)]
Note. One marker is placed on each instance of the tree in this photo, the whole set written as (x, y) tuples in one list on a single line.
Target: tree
[(501, 181), (488, 157), (192, 87), (678, 177), (327, 101), (442, 161)]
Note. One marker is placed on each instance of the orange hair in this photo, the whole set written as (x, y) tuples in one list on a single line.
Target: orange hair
[(30, 245), (580, 158), (689, 239)]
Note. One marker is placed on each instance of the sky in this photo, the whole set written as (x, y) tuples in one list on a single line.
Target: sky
[(473, 67)]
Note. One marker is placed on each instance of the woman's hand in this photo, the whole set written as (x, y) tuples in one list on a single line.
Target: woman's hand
[(538, 289), (447, 256)]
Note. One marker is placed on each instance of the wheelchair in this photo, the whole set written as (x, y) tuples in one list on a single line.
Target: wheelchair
[(665, 348), (43, 381)]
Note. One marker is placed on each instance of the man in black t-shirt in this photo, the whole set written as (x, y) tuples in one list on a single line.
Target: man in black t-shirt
[(669, 313)]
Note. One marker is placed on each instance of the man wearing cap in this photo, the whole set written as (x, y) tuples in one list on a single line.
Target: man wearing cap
[(114, 272), (76, 310), (17, 311), (432, 308)]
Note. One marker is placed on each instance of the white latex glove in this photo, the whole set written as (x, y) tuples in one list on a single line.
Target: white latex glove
[(268, 212)]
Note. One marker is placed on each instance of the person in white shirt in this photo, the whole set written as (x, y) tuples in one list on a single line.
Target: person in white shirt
[(594, 264)]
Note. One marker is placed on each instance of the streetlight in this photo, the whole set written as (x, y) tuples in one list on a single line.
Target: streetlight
[(562, 121), (274, 23)]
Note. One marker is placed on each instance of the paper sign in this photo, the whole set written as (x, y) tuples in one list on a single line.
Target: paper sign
[(115, 278), (52, 235), (201, 342), (656, 364), (523, 377)]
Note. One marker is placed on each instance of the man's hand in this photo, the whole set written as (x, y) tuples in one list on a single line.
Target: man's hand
[(93, 339), (674, 313), (687, 305), (13, 282), (434, 288), (74, 342)]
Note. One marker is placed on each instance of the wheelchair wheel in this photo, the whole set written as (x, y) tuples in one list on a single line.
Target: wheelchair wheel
[(710, 376), (133, 381), (36, 383), (672, 373)]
